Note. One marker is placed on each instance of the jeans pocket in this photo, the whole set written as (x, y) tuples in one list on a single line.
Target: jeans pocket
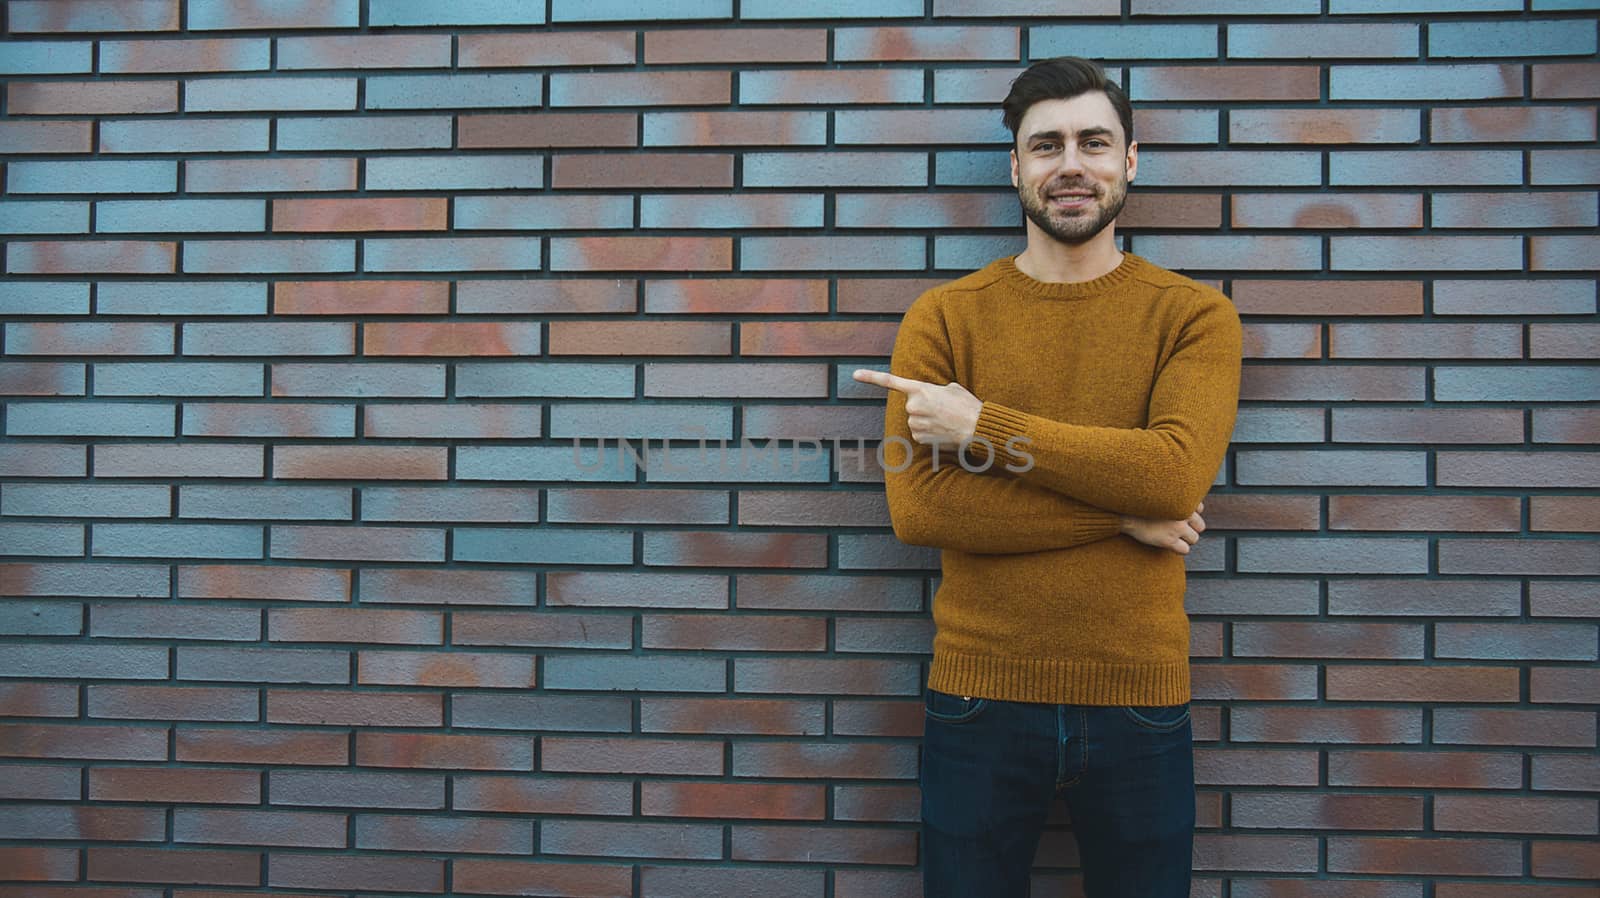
[(945, 708), (1158, 718)]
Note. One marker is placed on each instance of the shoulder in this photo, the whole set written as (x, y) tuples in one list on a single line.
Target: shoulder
[(1194, 298), (940, 300)]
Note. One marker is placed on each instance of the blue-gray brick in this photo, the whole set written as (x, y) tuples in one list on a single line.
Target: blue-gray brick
[(269, 94), (263, 175), (41, 539), (1531, 383), (389, 132), (1333, 467), (835, 169), (502, 172), (395, 379), (45, 57), (274, 665), (178, 379), (640, 420), (276, 338), (1392, 7), (182, 298), (276, 419), (99, 500), (139, 216), (454, 12), (454, 91), (1353, 41), (1391, 167), (453, 254), (543, 545), (562, 379), (1423, 82), (581, 460), (633, 10), (1126, 41), (829, 9), (24, 217), (660, 673), (259, 256), (121, 419), (743, 461), (970, 253), (1195, 168), (1341, 555), (1226, 253), (93, 176), (249, 501), (452, 503), (1544, 37), (833, 253), (180, 136), (43, 298), (978, 168), (41, 619), (177, 541), (543, 213), (126, 662)]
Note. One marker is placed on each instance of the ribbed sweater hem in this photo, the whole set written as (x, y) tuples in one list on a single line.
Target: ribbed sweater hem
[(1060, 682)]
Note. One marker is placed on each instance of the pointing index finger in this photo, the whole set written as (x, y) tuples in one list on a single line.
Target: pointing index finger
[(885, 379)]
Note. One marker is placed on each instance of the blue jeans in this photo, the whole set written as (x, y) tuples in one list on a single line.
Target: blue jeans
[(990, 770)]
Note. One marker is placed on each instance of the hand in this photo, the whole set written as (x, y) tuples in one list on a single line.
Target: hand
[(947, 414), (1177, 536)]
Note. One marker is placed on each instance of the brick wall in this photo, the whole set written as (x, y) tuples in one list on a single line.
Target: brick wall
[(307, 301)]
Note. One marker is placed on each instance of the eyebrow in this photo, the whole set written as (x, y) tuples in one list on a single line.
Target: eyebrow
[(1097, 131)]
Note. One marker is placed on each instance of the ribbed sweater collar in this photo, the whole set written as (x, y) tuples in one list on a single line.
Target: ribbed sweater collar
[(1115, 279)]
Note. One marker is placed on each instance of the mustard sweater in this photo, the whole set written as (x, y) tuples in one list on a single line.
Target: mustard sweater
[(1125, 388)]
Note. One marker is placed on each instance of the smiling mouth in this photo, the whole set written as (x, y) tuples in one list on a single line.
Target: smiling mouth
[(1071, 199)]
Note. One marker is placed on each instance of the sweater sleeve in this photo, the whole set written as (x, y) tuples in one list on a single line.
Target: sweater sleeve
[(951, 507), (1159, 471)]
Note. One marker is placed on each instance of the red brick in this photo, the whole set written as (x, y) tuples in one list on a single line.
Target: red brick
[(1327, 210), (1565, 513), (641, 254), (388, 709), (1324, 725), (1444, 857), (659, 88), (36, 740), (1566, 80), (450, 586), (1226, 83), (684, 841), (211, 785), (931, 210), (830, 86), (547, 129), (496, 877), (1323, 126), (370, 625), (1495, 727), (700, 880), (827, 338), (360, 297), (888, 295), (383, 214), (275, 582), (454, 338), (452, 751), (1457, 513), (364, 51), (1423, 684), (26, 863), (500, 670), (1565, 341), (41, 699), (1425, 769), (187, 55), (86, 822), (722, 549), (360, 462), (813, 508), (732, 801), (1254, 681), (726, 632), (91, 97), (761, 45), (255, 746), (775, 717), (649, 590), (1165, 210), (1513, 556), (645, 170), (901, 719), (566, 48), (1261, 767), (1320, 298), (375, 873), (547, 296), (735, 128), (1371, 383), (1566, 425), (1515, 814), (740, 296), (888, 804), (1508, 890), (833, 844), (1567, 860), (1430, 425), (1497, 124), (173, 866), (639, 338), (1563, 599), (85, 257)]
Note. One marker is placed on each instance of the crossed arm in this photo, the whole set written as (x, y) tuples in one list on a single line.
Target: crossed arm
[(1086, 483)]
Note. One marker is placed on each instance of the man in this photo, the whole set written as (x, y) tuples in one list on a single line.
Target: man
[(1101, 389)]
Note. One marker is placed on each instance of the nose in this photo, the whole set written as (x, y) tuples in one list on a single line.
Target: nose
[(1069, 162)]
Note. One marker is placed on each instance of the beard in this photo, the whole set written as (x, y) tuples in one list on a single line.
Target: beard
[(1075, 227)]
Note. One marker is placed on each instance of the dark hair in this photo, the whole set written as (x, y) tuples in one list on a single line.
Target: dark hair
[(1063, 78)]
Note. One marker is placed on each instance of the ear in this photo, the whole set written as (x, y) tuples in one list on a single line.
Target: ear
[(1014, 180), (1133, 160)]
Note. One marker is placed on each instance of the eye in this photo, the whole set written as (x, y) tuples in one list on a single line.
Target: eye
[(1044, 146), (1095, 143)]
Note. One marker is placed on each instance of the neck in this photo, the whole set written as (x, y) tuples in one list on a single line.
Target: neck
[(1048, 259)]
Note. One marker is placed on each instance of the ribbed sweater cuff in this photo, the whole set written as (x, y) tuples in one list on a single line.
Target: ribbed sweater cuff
[(998, 423)]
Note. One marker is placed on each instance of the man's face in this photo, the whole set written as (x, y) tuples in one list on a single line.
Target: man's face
[(1071, 166)]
